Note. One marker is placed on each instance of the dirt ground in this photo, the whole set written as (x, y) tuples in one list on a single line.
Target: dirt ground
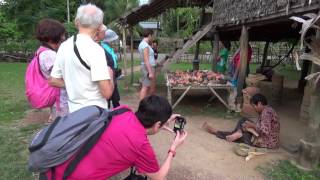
[(205, 157)]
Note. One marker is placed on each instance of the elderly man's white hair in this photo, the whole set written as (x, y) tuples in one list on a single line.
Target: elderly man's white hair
[(89, 16)]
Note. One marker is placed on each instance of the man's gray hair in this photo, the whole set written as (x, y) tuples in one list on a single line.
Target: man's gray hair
[(89, 16)]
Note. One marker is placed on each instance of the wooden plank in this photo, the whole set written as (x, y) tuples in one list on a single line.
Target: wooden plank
[(243, 59), (219, 97), (181, 97)]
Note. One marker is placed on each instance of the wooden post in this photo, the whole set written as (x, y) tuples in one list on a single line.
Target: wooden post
[(304, 73), (243, 59), (215, 53), (265, 54), (196, 60), (124, 43), (131, 49)]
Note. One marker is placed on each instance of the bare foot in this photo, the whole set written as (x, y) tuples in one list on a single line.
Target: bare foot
[(234, 136), (208, 128)]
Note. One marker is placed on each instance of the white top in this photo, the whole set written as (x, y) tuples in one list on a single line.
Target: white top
[(82, 84), (143, 44)]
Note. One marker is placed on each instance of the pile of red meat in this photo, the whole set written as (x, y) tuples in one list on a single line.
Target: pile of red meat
[(199, 78)]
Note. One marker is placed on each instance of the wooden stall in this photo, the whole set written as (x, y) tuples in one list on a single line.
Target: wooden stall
[(196, 80)]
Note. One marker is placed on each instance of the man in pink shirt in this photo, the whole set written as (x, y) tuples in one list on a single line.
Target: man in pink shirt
[(125, 144)]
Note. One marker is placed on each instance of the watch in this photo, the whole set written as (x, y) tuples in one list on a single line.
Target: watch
[(172, 151)]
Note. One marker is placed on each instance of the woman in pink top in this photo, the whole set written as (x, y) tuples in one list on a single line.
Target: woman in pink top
[(51, 33), (125, 143)]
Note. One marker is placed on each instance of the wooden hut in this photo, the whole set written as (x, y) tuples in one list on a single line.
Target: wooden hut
[(246, 20)]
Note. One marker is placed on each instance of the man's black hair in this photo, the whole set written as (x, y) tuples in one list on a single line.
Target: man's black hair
[(227, 45), (258, 98), (147, 32), (153, 109)]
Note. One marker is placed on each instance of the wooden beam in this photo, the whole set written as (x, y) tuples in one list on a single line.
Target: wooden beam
[(243, 59), (215, 53), (131, 49)]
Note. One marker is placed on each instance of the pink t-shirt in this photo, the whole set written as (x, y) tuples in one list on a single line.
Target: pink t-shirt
[(122, 145)]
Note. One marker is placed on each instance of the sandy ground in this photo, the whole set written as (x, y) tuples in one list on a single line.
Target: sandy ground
[(205, 157)]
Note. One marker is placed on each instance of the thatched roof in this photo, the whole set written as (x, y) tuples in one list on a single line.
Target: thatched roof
[(266, 19)]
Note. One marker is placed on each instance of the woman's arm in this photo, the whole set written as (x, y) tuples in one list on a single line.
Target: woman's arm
[(56, 82), (147, 62)]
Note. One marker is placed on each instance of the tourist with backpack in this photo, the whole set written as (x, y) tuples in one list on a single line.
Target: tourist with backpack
[(51, 34), (81, 63), (109, 143), (104, 38)]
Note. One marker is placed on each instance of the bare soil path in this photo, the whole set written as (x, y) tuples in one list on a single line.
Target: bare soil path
[(205, 157)]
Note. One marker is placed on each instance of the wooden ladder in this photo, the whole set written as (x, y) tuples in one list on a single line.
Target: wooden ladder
[(191, 42)]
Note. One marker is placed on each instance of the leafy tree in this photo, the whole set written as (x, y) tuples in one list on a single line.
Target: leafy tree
[(113, 9), (8, 29), (27, 13), (180, 22)]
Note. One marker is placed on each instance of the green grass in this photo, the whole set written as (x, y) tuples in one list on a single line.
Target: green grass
[(13, 137), (12, 99), (283, 170), (136, 62)]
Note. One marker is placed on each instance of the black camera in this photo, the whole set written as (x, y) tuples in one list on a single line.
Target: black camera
[(179, 124)]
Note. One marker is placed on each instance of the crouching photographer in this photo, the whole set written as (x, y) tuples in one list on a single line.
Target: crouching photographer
[(125, 144)]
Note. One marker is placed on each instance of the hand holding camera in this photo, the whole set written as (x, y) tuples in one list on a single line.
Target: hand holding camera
[(178, 128)]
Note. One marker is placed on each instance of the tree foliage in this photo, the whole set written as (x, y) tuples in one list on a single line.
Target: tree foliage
[(181, 22), (27, 13), (8, 29)]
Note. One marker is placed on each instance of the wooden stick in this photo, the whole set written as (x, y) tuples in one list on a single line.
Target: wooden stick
[(181, 97), (219, 97)]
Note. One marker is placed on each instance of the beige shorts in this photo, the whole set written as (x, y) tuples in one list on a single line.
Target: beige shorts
[(146, 82)]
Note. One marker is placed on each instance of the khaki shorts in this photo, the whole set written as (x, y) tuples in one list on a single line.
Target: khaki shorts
[(146, 82)]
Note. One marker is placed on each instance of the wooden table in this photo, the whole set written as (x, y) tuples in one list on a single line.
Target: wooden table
[(211, 87)]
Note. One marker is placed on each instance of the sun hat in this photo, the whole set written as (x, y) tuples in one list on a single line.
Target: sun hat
[(110, 36)]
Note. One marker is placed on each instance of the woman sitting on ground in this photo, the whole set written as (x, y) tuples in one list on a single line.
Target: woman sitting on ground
[(265, 131)]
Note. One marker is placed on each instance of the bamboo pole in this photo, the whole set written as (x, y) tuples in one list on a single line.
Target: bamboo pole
[(131, 49), (125, 57), (243, 59)]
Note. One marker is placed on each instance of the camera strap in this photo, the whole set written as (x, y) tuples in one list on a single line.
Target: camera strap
[(76, 51)]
